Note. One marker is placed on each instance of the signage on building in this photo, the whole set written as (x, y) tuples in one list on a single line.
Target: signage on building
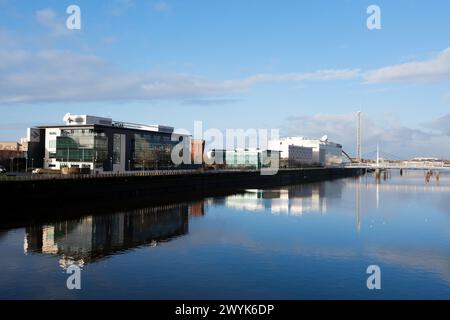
[(33, 135)]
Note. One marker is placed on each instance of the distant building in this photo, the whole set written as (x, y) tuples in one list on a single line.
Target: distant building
[(197, 151), (10, 146), (12, 155), (292, 155), (243, 158), (423, 159), (102, 144), (250, 158), (324, 152)]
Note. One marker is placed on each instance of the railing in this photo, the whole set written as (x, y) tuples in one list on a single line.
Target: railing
[(58, 176), (402, 165)]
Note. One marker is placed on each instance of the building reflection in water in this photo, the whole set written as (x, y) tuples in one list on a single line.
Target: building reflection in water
[(197, 209), (91, 238), (290, 200)]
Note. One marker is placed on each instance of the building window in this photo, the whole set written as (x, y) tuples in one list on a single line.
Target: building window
[(117, 147), (81, 146), (152, 151)]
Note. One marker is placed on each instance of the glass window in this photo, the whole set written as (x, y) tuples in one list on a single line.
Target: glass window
[(117, 147), (152, 151), (81, 146)]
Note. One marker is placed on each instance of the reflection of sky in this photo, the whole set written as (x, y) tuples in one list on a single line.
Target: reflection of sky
[(278, 253)]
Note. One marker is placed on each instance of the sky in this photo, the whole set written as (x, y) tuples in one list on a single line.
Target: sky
[(304, 67)]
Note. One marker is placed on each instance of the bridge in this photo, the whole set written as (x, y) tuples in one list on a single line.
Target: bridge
[(405, 165), (382, 164)]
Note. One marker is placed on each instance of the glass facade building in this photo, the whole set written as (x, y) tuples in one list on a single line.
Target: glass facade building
[(152, 151), (81, 145), (252, 159), (101, 144)]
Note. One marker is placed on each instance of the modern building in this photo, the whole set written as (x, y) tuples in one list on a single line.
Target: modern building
[(250, 158), (324, 152), (102, 144), (292, 155), (242, 158)]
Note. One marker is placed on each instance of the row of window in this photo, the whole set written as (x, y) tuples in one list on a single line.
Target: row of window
[(83, 145)]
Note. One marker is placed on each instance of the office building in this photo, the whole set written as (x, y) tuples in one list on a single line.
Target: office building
[(103, 145), (292, 155), (324, 152)]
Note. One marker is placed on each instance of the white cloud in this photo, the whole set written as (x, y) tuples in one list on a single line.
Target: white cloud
[(48, 18), (161, 6), (119, 7), (12, 58), (395, 140), (440, 125), (447, 97), (295, 77), (54, 75), (434, 69), (7, 39)]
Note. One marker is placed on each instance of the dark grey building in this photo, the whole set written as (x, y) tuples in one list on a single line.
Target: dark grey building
[(102, 144)]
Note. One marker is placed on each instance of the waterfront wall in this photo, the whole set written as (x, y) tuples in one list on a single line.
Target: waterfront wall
[(39, 198)]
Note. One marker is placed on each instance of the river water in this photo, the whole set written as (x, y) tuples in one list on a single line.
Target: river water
[(311, 241)]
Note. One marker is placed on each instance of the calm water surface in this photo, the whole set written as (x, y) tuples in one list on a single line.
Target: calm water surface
[(310, 241)]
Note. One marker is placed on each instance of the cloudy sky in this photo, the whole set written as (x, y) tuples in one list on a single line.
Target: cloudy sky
[(304, 67)]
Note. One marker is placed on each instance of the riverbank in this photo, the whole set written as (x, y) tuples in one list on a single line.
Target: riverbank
[(42, 199)]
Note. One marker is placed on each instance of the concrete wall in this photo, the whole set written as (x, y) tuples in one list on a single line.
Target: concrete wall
[(60, 197)]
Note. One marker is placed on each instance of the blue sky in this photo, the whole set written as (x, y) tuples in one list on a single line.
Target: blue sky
[(302, 66)]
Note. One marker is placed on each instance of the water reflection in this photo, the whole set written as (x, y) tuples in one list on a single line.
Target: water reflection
[(91, 238), (291, 200), (295, 241)]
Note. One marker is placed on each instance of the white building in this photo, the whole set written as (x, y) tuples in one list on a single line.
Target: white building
[(291, 153), (324, 152)]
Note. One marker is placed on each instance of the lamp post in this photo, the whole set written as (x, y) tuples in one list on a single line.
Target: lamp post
[(11, 165), (129, 165), (112, 169), (32, 164)]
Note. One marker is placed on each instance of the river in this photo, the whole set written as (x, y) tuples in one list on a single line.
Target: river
[(311, 241)]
